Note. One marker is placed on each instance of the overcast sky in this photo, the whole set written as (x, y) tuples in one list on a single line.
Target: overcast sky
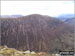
[(51, 8)]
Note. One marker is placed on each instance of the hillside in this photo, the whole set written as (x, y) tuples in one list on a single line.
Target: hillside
[(71, 21), (36, 32), (65, 17)]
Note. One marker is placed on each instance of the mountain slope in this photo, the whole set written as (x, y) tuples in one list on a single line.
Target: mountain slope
[(36, 32), (65, 17), (71, 21)]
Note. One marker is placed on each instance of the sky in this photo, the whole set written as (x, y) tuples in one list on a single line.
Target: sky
[(51, 8)]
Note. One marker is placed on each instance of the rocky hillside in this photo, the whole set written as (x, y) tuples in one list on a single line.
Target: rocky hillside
[(37, 33)]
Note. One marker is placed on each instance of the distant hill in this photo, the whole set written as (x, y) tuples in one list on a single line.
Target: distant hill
[(11, 16), (65, 17), (37, 33), (71, 21)]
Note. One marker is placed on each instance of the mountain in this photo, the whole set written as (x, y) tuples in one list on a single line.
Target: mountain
[(65, 17), (11, 16), (71, 21), (37, 33)]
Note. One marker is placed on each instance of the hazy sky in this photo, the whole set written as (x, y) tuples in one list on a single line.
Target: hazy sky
[(52, 8)]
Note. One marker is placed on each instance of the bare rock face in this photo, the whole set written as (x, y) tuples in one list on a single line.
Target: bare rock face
[(37, 33)]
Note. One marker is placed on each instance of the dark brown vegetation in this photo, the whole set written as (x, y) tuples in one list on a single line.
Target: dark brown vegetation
[(37, 33)]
